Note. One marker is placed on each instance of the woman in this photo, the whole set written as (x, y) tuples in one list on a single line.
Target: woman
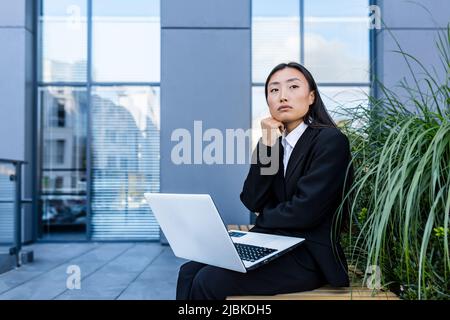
[(299, 198)]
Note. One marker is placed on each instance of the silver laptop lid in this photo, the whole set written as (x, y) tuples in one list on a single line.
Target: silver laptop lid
[(194, 229)]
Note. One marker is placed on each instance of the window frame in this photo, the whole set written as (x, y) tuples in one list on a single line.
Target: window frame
[(370, 84), (88, 85)]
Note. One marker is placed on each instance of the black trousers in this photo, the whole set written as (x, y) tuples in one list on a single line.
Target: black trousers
[(197, 281)]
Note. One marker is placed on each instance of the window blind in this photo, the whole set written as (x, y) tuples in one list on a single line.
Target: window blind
[(125, 162)]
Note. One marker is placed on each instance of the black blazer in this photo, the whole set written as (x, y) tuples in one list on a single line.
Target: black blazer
[(303, 203)]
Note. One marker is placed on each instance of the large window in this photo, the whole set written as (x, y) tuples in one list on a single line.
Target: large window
[(63, 25), (125, 161), (99, 117), (330, 38), (63, 170)]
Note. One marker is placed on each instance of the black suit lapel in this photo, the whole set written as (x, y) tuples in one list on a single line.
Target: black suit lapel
[(298, 153)]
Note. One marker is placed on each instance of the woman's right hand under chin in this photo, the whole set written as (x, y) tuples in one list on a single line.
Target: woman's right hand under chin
[(271, 130)]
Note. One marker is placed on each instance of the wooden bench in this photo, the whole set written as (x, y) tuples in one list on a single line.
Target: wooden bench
[(355, 292)]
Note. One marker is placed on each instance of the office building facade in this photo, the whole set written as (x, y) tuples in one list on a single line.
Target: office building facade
[(94, 93)]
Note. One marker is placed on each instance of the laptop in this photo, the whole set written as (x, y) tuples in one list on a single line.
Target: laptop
[(195, 231)]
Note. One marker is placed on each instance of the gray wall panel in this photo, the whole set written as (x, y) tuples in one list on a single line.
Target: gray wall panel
[(206, 13), (12, 91), (205, 76), (413, 28), (16, 89), (414, 14)]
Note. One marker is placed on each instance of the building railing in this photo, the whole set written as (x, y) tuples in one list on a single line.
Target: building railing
[(18, 201)]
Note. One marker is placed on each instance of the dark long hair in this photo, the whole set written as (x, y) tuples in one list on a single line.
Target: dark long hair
[(317, 115)]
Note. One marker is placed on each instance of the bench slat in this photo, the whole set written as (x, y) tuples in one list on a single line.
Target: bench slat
[(327, 295), (276, 297)]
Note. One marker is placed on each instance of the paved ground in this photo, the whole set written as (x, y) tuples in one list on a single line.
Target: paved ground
[(108, 271)]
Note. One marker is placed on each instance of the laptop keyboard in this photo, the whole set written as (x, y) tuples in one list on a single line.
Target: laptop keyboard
[(251, 253)]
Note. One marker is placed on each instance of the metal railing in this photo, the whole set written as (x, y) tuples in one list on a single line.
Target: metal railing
[(16, 177)]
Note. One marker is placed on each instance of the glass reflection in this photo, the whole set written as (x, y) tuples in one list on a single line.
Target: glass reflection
[(334, 98), (125, 146), (126, 37), (338, 98), (275, 35), (337, 40), (63, 172), (64, 40)]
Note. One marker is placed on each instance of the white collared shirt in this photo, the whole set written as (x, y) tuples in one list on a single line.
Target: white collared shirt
[(289, 141)]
